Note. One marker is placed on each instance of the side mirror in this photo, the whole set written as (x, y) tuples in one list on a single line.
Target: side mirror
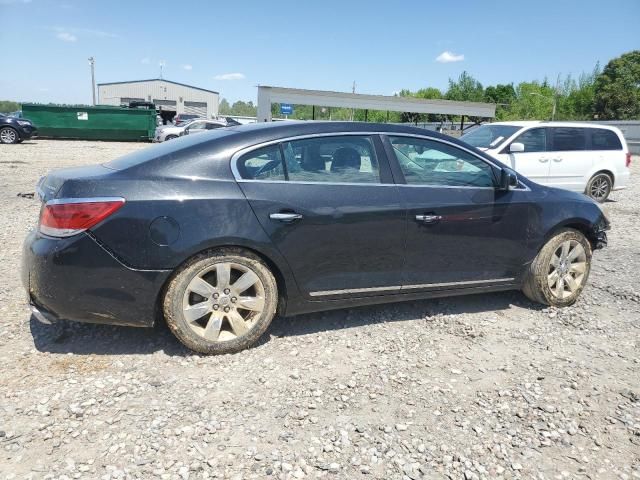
[(508, 179), (516, 147)]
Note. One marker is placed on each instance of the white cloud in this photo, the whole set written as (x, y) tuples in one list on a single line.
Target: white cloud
[(449, 57), (230, 76), (145, 61), (82, 31), (66, 37), (187, 67)]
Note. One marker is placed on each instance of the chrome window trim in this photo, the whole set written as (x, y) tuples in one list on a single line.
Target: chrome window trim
[(324, 293), (59, 201), (239, 153)]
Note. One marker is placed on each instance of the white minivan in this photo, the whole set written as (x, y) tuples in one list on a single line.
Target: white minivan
[(582, 157)]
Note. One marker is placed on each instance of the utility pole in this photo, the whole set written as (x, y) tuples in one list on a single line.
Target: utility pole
[(92, 62), (353, 90)]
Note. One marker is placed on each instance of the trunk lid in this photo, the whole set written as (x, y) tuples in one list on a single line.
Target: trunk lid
[(51, 185)]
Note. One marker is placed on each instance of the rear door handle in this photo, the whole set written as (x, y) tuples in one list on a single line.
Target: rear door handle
[(428, 218), (285, 217), (557, 159), (543, 160)]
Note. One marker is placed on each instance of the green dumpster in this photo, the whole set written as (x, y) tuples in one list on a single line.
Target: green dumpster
[(102, 122)]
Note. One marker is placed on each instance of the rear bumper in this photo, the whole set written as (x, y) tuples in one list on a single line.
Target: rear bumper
[(622, 179), (77, 279)]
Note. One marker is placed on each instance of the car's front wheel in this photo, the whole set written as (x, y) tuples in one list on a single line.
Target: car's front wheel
[(221, 301), (599, 187), (9, 135), (560, 270), (170, 137)]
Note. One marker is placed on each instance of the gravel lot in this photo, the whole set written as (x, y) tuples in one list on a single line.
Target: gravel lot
[(487, 386)]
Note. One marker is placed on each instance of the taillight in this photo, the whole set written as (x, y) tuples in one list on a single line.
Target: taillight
[(628, 161), (70, 216)]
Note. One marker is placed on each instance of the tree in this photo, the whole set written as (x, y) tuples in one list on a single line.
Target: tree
[(617, 88), (7, 106), (534, 101), (503, 96), (224, 108), (465, 89)]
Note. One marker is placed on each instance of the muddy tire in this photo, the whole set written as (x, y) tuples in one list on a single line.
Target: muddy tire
[(221, 301), (560, 270)]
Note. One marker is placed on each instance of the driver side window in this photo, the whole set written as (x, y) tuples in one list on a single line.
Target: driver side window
[(428, 162)]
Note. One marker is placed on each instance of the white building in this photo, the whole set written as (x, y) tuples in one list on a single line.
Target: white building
[(170, 97)]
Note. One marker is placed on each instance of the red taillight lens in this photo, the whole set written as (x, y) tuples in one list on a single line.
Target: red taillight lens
[(63, 218), (628, 161)]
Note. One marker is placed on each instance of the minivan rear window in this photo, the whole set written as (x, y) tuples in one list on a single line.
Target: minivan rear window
[(602, 139), (569, 139)]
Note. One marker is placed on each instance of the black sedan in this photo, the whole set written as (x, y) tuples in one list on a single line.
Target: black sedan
[(219, 232), (15, 130)]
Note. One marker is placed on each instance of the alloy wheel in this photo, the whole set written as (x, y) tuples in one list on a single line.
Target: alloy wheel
[(8, 135), (599, 188), (567, 269), (223, 302)]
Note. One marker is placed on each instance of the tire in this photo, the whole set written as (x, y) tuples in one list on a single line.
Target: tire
[(170, 137), (599, 187), (568, 253), (205, 310), (9, 135)]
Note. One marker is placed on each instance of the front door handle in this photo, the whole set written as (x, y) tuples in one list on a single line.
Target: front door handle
[(543, 160), (285, 217), (428, 218), (557, 159)]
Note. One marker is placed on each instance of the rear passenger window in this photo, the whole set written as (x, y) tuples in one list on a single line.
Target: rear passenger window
[(566, 139), (602, 139), (534, 140), (340, 159), (262, 164)]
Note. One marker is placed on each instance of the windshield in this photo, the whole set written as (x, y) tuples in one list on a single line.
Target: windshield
[(489, 136)]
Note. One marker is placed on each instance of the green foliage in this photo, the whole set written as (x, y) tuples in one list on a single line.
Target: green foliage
[(465, 89), (7, 106), (617, 89), (240, 108), (503, 96)]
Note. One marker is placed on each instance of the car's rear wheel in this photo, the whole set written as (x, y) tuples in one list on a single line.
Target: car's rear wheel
[(221, 301), (599, 187), (170, 137), (9, 135), (560, 270)]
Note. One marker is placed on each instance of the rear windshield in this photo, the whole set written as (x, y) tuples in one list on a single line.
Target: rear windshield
[(489, 136), (165, 148)]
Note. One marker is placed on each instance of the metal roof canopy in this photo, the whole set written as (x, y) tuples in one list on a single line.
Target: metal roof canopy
[(322, 98)]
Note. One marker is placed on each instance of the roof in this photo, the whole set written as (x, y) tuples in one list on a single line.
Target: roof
[(269, 94), (531, 123), (159, 80)]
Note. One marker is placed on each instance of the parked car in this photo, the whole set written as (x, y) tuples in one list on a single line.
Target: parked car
[(581, 157), (194, 126), (15, 130), (184, 117), (220, 231)]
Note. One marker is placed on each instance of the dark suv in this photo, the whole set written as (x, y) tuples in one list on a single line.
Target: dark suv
[(15, 130), (222, 230)]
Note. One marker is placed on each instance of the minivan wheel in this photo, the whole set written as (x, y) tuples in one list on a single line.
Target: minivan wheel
[(599, 187), (560, 270), (9, 135), (221, 301)]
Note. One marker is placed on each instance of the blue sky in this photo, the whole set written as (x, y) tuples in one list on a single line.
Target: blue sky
[(232, 46)]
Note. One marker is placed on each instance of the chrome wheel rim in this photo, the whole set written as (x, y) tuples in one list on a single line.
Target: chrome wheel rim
[(567, 269), (7, 135), (223, 301), (599, 187)]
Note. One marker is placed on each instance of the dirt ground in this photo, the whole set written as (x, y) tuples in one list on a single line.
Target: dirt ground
[(481, 387)]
